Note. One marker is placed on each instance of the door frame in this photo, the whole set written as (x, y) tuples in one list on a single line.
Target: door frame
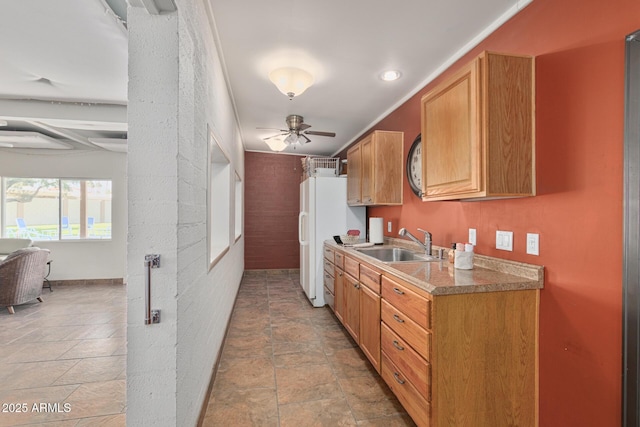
[(631, 236)]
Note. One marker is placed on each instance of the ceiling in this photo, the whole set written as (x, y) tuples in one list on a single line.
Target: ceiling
[(63, 71), (63, 74), (345, 45)]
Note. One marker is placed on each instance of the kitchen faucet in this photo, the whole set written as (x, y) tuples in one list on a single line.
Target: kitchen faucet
[(427, 239)]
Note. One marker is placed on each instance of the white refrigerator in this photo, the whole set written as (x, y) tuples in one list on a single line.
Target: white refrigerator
[(324, 213)]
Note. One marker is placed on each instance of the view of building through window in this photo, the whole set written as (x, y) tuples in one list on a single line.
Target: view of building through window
[(53, 209)]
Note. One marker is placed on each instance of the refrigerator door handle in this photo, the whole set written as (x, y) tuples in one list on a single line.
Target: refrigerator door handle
[(300, 217)]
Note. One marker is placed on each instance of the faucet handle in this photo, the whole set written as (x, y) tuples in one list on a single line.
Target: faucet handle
[(425, 232)]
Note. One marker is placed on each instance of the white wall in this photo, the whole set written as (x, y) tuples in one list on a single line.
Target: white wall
[(176, 92), (79, 259)]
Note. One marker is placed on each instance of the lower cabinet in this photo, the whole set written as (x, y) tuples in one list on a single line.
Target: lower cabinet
[(451, 360), (351, 315), (338, 308), (370, 325)]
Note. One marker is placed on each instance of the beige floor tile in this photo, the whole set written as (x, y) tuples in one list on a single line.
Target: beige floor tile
[(294, 332), (242, 374), (256, 407), (97, 399), (247, 346), (93, 369), (33, 374), (403, 420), (369, 397), (350, 362), (118, 420), (303, 383), (317, 413), (313, 356), (38, 351), (94, 348)]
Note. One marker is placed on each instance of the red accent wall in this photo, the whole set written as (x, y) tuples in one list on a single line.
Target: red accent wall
[(579, 49), (272, 202)]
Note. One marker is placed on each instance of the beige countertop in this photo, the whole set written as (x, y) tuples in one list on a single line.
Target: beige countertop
[(439, 278)]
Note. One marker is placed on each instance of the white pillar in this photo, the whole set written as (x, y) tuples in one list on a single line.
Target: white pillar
[(153, 215)]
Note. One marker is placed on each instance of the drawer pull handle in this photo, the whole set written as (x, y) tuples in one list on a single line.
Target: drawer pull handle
[(398, 319), (397, 377), (398, 346), (398, 291)]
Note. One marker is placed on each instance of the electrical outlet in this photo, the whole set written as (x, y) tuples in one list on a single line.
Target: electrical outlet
[(504, 240), (533, 244), (472, 236), (388, 226)]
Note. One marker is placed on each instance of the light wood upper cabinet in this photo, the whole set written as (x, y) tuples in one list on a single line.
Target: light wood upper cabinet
[(376, 169), (354, 175), (478, 131)]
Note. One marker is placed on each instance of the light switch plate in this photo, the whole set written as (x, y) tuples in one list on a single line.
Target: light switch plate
[(472, 236), (504, 240), (388, 226), (533, 244)]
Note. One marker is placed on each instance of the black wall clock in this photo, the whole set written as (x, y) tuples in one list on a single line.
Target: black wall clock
[(414, 166)]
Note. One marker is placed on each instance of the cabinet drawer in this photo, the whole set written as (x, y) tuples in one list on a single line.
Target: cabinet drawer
[(370, 278), (329, 281), (411, 365), (339, 260), (329, 254), (407, 329), (416, 405), (414, 306), (328, 267), (329, 299), (352, 267)]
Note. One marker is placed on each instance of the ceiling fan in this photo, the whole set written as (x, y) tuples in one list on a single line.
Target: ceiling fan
[(295, 134)]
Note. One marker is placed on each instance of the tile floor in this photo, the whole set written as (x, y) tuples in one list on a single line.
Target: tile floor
[(71, 349), (286, 363)]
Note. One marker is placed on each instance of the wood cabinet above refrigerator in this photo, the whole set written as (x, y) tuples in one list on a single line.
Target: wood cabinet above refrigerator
[(375, 169)]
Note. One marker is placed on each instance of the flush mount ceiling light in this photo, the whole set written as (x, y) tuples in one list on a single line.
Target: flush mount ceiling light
[(291, 81), (390, 75)]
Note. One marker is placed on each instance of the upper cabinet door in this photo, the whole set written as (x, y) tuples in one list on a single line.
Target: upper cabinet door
[(451, 136), (354, 172), (478, 131), (375, 169)]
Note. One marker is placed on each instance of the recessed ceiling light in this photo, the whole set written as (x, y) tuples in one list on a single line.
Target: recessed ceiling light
[(390, 75), (4, 123)]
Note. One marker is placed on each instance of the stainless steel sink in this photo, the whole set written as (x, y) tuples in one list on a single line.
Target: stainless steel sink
[(389, 255)]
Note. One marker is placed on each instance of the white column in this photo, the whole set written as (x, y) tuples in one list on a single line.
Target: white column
[(153, 215)]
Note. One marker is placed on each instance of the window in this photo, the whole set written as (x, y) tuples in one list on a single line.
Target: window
[(218, 201), (56, 209), (238, 206)]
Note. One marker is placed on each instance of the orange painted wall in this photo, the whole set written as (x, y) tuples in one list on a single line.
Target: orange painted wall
[(579, 49)]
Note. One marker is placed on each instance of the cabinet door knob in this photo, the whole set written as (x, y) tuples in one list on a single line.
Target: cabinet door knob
[(397, 345), (397, 377), (398, 291), (398, 319)]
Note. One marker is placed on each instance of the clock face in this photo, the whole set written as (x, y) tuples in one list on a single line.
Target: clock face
[(414, 166)]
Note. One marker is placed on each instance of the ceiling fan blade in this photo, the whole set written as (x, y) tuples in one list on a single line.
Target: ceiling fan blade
[(318, 133), (305, 137), (280, 130), (303, 126), (273, 136)]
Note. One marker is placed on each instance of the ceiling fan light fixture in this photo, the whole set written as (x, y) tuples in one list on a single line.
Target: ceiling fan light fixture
[(390, 75), (275, 144), (291, 81)]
